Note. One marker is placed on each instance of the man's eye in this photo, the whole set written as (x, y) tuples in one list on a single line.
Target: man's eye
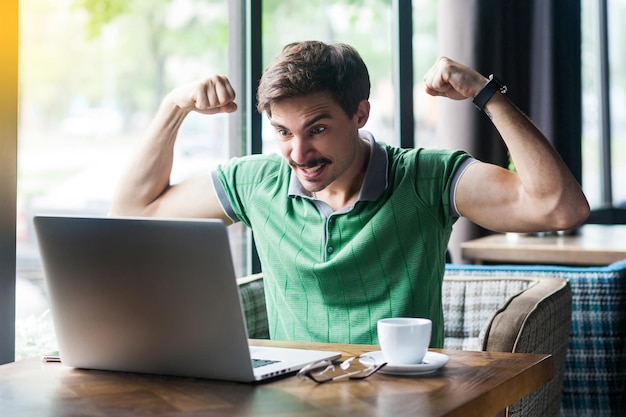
[(318, 129)]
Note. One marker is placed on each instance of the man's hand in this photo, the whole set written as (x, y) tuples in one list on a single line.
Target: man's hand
[(450, 79), (211, 95)]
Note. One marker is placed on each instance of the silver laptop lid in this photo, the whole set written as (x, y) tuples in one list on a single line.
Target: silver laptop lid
[(145, 295)]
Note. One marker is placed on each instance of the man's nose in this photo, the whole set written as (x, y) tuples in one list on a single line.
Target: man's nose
[(300, 150)]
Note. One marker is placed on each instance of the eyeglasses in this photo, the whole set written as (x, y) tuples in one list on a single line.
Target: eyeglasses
[(326, 371)]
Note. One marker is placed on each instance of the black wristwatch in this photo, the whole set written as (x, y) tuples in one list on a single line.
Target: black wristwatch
[(488, 91)]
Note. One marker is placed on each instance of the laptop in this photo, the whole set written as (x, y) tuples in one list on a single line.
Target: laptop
[(154, 296)]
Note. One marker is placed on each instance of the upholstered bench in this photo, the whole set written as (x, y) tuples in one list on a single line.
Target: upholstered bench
[(595, 370)]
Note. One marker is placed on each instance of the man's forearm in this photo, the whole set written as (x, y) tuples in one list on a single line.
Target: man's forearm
[(544, 176), (148, 173)]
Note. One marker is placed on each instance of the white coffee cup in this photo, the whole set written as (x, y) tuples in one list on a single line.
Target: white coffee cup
[(404, 340)]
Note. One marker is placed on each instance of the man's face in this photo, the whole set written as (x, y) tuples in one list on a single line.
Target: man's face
[(319, 140)]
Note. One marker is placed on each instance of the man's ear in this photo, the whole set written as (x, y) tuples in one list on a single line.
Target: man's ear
[(362, 113)]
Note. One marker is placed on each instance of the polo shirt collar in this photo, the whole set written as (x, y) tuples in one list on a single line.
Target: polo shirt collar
[(375, 180)]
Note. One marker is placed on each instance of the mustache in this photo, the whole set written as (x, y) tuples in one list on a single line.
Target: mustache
[(310, 163)]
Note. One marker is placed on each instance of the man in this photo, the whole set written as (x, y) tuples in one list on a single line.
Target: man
[(349, 230)]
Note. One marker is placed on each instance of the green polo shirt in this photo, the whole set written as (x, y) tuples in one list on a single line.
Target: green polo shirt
[(329, 276)]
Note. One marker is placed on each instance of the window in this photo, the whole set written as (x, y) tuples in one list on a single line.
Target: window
[(364, 25), (90, 81), (92, 77), (368, 26), (603, 121)]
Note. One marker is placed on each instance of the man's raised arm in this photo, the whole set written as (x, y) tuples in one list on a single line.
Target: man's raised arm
[(542, 195), (144, 188)]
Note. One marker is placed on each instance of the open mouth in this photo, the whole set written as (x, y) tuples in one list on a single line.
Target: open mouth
[(313, 173), (315, 169), (312, 168)]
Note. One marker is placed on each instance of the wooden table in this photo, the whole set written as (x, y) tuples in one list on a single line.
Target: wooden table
[(591, 245), (471, 384)]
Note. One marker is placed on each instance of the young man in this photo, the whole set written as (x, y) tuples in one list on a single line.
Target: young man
[(350, 230)]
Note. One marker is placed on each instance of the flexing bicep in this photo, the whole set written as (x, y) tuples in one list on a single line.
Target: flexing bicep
[(193, 197), (494, 198)]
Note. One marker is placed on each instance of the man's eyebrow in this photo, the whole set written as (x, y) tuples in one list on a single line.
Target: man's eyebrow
[(308, 123), (276, 125), (317, 118)]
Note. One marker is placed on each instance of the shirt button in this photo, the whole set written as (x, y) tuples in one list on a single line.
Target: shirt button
[(330, 249)]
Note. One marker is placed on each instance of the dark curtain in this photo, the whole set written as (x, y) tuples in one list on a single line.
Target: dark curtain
[(534, 47)]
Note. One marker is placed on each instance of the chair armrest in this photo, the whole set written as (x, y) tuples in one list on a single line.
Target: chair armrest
[(470, 303), (546, 305), (514, 314), (544, 330), (252, 296)]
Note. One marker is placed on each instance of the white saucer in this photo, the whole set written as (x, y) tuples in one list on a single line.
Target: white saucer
[(432, 361)]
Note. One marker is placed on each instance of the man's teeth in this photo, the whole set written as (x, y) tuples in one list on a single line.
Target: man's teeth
[(314, 169)]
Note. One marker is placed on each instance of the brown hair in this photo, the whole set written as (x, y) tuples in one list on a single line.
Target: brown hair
[(303, 68)]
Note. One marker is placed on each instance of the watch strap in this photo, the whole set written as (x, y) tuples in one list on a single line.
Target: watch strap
[(488, 91)]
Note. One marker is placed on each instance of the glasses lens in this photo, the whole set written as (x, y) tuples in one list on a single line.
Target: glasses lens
[(366, 366), (325, 371), (318, 371)]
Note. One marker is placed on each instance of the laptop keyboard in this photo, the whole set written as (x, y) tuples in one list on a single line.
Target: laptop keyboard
[(257, 363)]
